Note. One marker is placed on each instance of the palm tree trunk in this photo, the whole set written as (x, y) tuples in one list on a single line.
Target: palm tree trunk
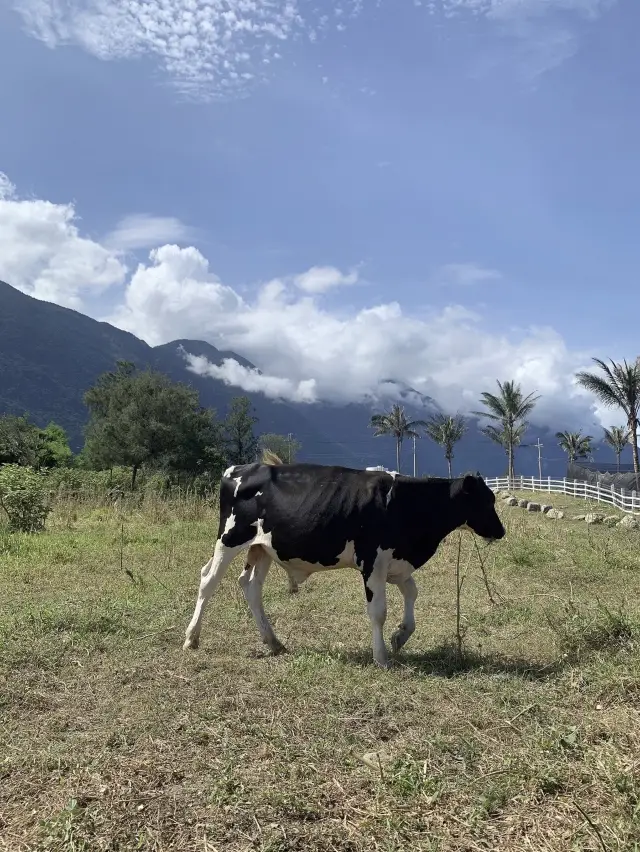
[(398, 442), (449, 464), (634, 450), (618, 460)]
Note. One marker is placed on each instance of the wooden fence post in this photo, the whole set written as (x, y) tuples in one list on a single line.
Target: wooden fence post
[(549, 484), (634, 499)]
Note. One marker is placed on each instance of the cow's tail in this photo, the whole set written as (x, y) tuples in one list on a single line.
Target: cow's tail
[(269, 457)]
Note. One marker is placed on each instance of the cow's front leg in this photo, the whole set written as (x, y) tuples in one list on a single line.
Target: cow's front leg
[(409, 593), (375, 589)]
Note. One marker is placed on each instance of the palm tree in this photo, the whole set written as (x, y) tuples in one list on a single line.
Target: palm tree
[(446, 431), (575, 444), (395, 423), (619, 387), (509, 410), (617, 437)]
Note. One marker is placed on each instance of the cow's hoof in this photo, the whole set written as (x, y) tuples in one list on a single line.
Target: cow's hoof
[(398, 639), (277, 648)]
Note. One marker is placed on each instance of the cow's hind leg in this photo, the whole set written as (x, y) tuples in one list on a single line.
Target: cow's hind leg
[(375, 588), (404, 630), (210, 577), (251, 581), (293, 584)]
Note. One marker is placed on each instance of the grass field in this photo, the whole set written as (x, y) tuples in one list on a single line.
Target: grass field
[(113, 738)]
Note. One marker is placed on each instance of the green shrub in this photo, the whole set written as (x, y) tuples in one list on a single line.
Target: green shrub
[(24, 498)]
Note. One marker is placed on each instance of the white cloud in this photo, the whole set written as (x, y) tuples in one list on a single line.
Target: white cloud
[(465, 274), (43, 254), (207, 47), (544, 33), (253, 381), (217, 48), (304, 351), (7, 189), (308, 352), (319, 279), (178, 291), (140, 230)]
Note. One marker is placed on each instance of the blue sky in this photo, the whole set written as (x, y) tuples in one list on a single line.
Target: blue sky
[(474, 161)]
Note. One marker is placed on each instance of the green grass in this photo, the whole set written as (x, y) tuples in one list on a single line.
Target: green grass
[(113, 738)]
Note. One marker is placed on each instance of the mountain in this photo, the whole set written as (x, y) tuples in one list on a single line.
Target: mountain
[(49, 357)]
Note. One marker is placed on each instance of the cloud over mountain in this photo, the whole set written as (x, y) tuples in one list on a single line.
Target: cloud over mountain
[(305, 351)]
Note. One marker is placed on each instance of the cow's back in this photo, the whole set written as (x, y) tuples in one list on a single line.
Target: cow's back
[(304, 512)]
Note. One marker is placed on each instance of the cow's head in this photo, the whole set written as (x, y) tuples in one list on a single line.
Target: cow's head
[(476, 504)]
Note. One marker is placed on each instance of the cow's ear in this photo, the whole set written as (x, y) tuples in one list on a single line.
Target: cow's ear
[(469, 484)]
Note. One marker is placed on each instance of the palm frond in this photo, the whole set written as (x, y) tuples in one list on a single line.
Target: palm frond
[(617, 437), (499, 436)]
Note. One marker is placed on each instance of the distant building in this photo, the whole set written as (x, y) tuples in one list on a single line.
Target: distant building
[(382, 467)]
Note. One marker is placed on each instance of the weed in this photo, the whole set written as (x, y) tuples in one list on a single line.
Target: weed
[(113, 738)]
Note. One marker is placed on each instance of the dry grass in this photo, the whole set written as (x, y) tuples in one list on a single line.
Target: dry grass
[(112, 738)]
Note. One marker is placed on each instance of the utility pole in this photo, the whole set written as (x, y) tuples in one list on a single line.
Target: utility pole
[(539, 446)]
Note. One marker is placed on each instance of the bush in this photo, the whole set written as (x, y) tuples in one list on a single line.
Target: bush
[(24, 498)]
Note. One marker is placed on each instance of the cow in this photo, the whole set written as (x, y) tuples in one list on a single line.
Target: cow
[(309, 518)]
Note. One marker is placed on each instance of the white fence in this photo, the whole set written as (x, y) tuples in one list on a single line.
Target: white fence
[(626, 501)]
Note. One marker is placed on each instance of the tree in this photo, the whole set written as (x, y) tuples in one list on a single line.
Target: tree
[(575, 444), (446, 431), (617, 437), (240, 440), (54, 448), (20, 441), (284, 446), (395, 423), (24, 443), (509, 409), (143, 418), (618, 387)]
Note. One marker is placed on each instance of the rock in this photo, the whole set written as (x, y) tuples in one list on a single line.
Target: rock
[(578, 517), (533, 507), (593, 518), (629, 523), (375, 759), (545, 508), (510, 501), (610, 520), (555, 514), (523, 503)]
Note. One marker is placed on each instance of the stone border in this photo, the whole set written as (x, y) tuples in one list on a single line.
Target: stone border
[(627, 522)]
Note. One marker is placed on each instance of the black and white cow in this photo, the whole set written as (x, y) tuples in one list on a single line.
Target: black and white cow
[(310, 518)]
